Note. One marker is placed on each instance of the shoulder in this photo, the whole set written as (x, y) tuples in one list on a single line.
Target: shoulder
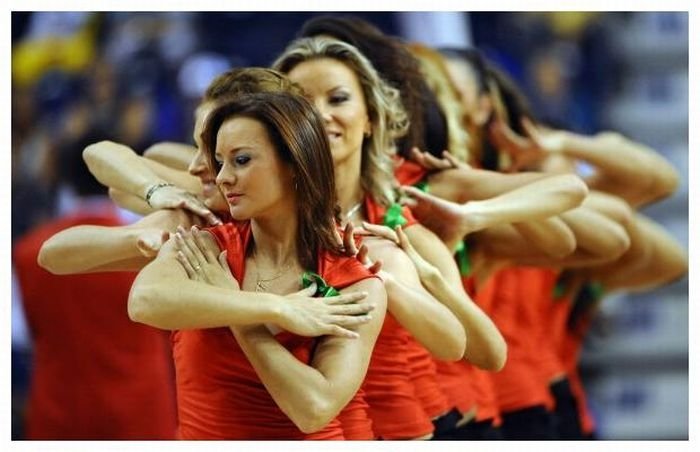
[(229, 235), (341, 271)]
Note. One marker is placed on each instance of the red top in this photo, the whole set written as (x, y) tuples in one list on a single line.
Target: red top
[(395, 409), (96, 374), (482, 384), (409, 172), (551, 315), (519, 384), (570, 352), (425, 380), (220, 396)]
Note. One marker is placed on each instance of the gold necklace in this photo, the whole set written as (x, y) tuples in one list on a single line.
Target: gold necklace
[(263, 284)]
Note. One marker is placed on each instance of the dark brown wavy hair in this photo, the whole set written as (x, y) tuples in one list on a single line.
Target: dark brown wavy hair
[(299, 138)]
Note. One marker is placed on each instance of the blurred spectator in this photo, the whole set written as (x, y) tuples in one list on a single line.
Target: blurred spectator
[(95, 374)]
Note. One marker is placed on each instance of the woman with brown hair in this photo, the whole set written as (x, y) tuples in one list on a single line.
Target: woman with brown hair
[(266, 383)]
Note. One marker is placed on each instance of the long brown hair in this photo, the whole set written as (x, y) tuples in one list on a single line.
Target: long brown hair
[(299, 138)]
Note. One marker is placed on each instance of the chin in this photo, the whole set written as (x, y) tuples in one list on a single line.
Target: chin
[(239, 214)]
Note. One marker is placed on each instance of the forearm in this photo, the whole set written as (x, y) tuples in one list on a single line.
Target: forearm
[(115, 165), (130, 202), (174, 155), (625, 163), (655, 258), (462, 185), (311, 395), (535, 201), (485, 346), (89, 248), (551, 236), (183, 304), (302, 392), (429, 321)]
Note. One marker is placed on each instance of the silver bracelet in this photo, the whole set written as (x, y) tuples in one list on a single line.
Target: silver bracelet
[(153, 188)]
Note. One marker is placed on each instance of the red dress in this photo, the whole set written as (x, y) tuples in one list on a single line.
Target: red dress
[(220, 396), (394, 407), (520, 384), (96, 374)]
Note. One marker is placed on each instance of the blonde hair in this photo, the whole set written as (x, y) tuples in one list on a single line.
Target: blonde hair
[(386, 113), (434, 69)]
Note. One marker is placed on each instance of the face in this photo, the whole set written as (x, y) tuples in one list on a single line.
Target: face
[(255, 182), (336, 92), (465, 81), (199, 168)]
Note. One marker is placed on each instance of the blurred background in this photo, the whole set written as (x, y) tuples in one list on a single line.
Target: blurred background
[(135, 78)]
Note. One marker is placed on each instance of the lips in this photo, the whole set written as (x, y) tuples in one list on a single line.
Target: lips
[(233, 198)]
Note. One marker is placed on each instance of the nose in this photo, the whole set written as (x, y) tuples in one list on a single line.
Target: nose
[(198, 164), (225, 177), (323, 109)]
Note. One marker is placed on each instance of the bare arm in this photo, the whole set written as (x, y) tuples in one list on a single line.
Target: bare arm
[(428, 320), (91, 248), (119, 167), (662, 260), (312, 395), (485, 346), (130, 202), (174, 155)]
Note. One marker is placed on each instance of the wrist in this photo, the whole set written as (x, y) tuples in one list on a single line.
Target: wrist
[(471, 217), (151, 189)]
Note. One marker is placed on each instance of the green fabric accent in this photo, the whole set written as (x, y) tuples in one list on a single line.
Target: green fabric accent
[(422, 186), (394, 217), (462, 257), (323, 289), (597, 290)]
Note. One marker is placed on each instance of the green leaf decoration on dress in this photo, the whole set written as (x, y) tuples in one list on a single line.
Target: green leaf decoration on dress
[(323, 289), (422, 186), (394, 216), (462, 257)]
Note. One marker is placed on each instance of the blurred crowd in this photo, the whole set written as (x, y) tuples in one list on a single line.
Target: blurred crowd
[(135, 77)]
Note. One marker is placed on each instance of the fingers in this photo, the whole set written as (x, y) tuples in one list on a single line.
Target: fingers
[(529, 127), (345, 298), (453, 160), (189, 269), (335, 330), (436, 163), (349, 240), (381, 231), (338, 239), (363, 255), (189, 242), (403, 239), (349, 320), (309, 291), (186, 251), (352, 309), (206, 250), (376, 267)]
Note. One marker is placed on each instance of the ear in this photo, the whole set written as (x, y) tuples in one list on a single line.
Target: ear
[(484, 110), (368, 129)]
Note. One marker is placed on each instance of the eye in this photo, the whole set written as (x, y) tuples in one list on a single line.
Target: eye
[(338, 98), (241, 159)]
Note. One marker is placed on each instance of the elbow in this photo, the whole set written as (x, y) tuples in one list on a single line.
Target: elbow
[(563, 245), (314, 416), (452, 351), (493, 358), (577, 190), (142, 306), (47, 259)]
